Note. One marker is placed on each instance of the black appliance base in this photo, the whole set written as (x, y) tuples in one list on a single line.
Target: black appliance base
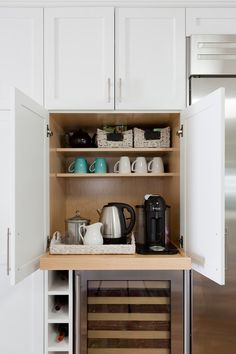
[(115, 241), (145, 249)]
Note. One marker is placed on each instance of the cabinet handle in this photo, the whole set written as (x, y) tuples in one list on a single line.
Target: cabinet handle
[(108, 90), (8, 251), (120, 89)]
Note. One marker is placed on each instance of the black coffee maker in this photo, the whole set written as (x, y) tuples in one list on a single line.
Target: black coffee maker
[(156, 227), (155, 208)]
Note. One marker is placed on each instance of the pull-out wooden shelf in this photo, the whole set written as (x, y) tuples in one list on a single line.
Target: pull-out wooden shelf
[(115, 262)]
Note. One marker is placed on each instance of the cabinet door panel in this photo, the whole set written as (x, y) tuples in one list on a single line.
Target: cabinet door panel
[(79, 58), (150, 58), (21, 59), (210, 21), (202, 160), (28, 185)]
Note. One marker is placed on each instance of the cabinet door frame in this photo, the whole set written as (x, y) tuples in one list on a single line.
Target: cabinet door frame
[(28, 179), (127, 87), (105, 98), (202, 185), (210, 21), (36, 79)]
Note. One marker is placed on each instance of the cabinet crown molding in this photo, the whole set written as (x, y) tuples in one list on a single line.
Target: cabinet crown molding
[(117, 3)]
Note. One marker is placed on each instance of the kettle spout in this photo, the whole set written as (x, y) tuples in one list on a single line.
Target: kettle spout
[(99, 212)]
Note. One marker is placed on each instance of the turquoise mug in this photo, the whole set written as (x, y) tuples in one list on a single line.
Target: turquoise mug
[(99, 165), (79, 165)]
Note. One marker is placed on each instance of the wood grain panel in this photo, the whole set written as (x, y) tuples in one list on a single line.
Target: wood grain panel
[(128, 317), (128, 300), (127, 351), (130, 334), (131, 284), (127, 291), (148, 325), (126, 308), (128, 343), (115, 262)]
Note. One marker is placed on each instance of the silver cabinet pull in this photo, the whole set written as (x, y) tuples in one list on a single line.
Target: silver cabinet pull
[(120, 89), (8, 251), (108, 90)]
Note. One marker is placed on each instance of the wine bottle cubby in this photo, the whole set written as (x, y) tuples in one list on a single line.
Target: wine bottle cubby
[(58, 312)]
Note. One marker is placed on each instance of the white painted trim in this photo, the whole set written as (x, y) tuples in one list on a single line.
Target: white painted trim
[(117, 3)]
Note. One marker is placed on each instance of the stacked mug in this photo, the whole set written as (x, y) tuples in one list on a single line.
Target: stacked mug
[(139, 165), (80, 165)]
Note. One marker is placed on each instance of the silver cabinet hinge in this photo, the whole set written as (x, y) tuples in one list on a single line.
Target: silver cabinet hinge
[(180, 132), (49, 132), (181, 241)]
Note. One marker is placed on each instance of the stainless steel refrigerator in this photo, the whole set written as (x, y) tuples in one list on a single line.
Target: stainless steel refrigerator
[(213, 315)]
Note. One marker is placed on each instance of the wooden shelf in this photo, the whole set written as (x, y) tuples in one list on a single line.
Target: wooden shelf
[(115, 262), (70, 152), (114, 175)]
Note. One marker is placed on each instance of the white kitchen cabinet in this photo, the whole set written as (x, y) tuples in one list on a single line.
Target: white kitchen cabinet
[(29, 172), (79, 58), (150, 58), (28, 180), (149, 69), (210, 21), (21, 59)]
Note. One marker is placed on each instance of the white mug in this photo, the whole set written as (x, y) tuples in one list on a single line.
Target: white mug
[(139, 165), (123, 165), (156, 165), (92, 235)]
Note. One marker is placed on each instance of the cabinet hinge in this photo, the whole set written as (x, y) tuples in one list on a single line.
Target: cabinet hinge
[(48, 243), (49, 132), (180, 132), (181, 241)]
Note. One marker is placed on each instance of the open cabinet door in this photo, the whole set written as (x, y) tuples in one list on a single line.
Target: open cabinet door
[(29, 185), (202, 185)]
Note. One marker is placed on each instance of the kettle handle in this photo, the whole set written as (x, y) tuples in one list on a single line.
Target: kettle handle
[(121, 207), (81, 236)]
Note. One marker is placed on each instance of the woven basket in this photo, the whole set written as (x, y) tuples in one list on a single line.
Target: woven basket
[(102, 141), (58, 248), (163, 142)]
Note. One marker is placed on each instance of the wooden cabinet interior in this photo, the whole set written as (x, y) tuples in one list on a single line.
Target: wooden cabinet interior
[(88, 194)]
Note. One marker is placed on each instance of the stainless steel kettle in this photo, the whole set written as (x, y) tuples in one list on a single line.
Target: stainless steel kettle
[(115, 228)]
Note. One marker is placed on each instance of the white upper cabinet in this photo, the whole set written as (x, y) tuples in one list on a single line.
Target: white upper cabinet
[(150, 58), (203, 171), (21, 58), (210, 21), (79, 58), (28, 179)]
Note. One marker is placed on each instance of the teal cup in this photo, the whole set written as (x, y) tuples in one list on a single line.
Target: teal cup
[(99, 165), (79, 165)]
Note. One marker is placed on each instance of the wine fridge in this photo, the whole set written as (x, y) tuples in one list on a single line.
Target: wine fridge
[(128, 312)]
